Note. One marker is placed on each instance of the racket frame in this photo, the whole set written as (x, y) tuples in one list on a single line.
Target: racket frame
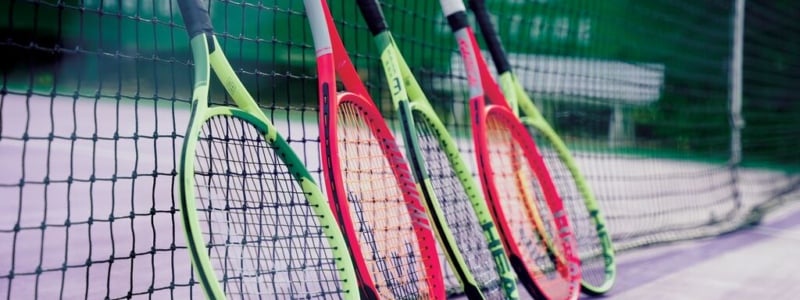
[(208, 56), (484, 89), (518, 97), (333, 60), (407, 97)]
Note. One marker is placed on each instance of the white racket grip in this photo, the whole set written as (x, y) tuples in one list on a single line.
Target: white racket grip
[(319, 26), (450, 7)]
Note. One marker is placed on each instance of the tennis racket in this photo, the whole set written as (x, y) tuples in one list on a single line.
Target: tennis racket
[(459, 214), (371, 187), (256, 224), (595, 248), (533, 222)]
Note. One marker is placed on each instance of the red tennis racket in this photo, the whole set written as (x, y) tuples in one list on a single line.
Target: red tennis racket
[(371, 188), (530, 215)]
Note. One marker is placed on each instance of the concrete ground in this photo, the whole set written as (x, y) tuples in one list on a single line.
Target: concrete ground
[(762, 262)]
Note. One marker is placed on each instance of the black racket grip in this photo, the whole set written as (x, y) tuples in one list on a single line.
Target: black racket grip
[(490, 36), (371, 10), (458, 20), (196, 17)]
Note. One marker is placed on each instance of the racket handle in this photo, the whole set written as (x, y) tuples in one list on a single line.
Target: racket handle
[(490, 36), (371, 10), (450, 7), (456, 15), (320, 32), (196, 17)]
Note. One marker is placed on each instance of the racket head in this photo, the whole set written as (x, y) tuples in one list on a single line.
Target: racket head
[(380, 207), (595, 249), (274, 189), (350, 122), (256, 223), (529, 213)]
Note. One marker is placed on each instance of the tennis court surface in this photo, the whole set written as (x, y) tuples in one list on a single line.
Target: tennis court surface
[(754, 263)]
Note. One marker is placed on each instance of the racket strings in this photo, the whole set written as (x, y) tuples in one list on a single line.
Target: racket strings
[(386, 234), (523, 203), (244, 160), (590, 249), (230, 268), (459, 213), (262, 236)]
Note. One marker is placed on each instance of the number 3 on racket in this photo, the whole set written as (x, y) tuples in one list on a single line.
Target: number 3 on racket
[(240, 185)]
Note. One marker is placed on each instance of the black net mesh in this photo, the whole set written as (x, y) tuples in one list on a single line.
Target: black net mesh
[(261, 234)]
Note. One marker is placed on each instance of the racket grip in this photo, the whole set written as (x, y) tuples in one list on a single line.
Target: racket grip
[(196, 17), (371, 10), (477, 4), (457, 21), (490, 35), (450, 7)]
